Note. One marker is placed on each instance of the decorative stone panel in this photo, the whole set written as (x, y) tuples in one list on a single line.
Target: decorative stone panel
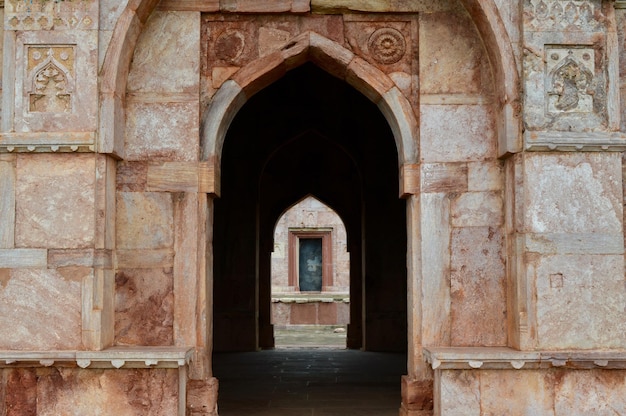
[(56, 82), (570, 79), (564, 15), (51, 15)]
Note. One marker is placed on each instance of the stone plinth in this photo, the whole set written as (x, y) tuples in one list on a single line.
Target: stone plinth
[(476, 381)]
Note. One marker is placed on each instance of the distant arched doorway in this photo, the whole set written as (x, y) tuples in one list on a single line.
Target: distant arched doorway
[(310, 277)]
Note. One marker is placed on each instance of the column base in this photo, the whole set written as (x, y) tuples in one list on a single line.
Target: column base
[(417, 397), (202, 397)]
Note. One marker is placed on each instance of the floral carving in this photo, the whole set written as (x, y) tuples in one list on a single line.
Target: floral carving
[(387, 45)]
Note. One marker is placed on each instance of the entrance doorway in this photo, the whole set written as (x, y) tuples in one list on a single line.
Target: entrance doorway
[(310, 134)]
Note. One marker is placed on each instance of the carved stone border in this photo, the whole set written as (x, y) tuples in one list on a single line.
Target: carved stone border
[(115, 357), (503, 358), (543, 141)]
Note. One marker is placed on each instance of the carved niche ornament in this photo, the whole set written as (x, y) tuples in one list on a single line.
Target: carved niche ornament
[(571, 81), (387, 45), (51, 81)]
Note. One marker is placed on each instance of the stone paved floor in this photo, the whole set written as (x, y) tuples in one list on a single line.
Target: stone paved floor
[(309, 381)]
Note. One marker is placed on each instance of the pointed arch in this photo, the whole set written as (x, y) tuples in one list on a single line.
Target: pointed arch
[(331, 57)]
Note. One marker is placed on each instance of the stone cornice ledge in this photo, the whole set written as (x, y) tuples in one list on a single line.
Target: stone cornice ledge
[(115, 357), (564, 141), (503, 358), (52, 142)]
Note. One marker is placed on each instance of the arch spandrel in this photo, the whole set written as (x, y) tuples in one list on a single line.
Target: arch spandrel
[(130, 24)]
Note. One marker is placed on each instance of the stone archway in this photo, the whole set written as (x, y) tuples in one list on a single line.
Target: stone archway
[(339, 61)]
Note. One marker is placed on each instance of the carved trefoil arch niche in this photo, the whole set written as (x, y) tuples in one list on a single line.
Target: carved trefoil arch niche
[(50, 85), (570, 78)]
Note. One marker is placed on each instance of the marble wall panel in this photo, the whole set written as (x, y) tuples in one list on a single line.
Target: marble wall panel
[(20, 391), (516, 393), (40, 309), (144, 307), (162, 131), (477, 209), (459, 393), (55, 196), (478, 287), (452, 56), (7, 201), (485, 176), (167, 56), (573, 193), (580, 301), (581, 393), (468, 134), (554, 392), (144, 220), (621, 34), (75, 392)]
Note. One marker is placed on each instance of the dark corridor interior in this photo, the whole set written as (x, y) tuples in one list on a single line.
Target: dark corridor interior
[(309, 134)]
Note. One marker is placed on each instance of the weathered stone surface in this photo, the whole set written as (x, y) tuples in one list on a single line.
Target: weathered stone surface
[(110, 11), (478, 287), (590, 393), (21, 392), (23, 258), (500, 393), (579, 301), (144, 307), (144, 220), (468, 134), (485, 176), (452, 55), (202, 397), (477, 209), (41, 309), (132, 176), (333, 6), (166, 56), (7, 203), (55, 198), (459, 393), (75, 392), (435, 210), (162, 131), (532, 392), (574, 193), (444, 177)]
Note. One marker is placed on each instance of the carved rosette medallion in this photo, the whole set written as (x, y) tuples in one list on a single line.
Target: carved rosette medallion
[(570, 78), (229, 45), (51, 79), (387, 45)]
